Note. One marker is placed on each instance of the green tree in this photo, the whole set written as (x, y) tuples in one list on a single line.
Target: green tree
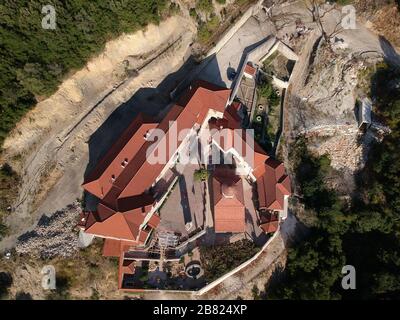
[(34, 61)]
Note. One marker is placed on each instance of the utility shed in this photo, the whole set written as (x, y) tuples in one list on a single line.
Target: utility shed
[(364, 114)]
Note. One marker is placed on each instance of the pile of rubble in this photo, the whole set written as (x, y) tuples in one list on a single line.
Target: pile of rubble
[(53, 236), (345, 151)]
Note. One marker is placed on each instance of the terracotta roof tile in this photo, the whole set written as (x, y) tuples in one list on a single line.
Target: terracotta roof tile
[(270, 227), (250, 70), (111, 248), (128, 267), (154, 221), (272, 182), (269, 222), (114, 163), (228, 200)]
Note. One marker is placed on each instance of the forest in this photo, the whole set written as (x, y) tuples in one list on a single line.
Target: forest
[(364, 233), (33, 60)]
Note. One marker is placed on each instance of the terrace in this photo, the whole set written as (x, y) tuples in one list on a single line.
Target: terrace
[(184, 210)]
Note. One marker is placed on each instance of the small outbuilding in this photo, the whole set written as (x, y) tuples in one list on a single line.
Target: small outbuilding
[(250, 71), (364, 114)]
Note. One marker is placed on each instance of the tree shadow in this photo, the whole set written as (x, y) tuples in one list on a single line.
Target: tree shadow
[(278, 274), (389, 53)]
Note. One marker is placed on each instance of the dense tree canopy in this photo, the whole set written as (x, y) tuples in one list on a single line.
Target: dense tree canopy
[(33, 60), (365, 234)]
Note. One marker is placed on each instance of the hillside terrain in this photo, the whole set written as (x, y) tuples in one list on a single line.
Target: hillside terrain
[(126, 67), (63, 116), (346, 179), (140, 68)]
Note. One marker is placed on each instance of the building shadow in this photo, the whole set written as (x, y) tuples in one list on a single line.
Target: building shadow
[(259, 238), (187, 214), (244, 56), (207, 70), (213, 73), (151, 101)]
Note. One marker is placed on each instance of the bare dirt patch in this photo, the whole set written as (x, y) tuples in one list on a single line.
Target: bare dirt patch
[(48, 148), (382, 19), (84, 275)]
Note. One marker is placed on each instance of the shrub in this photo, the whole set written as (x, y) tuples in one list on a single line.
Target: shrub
[(201, 175), (218, 260), (193, 13), (206, 30), (5, 283), (205, 5), (266, 90)]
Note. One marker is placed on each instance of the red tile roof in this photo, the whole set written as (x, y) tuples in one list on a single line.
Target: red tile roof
[(250, 70), (272, 185), (114, 247), (120, 225), (123, 177), (154, 221), (229, 209), (143, 235), (111, 248), (270, 227), (269, 222), (128, 267), (100, 181), (272, 182), (201, 100)]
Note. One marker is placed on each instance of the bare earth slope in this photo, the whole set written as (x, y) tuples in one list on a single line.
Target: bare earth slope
[(57, 130)]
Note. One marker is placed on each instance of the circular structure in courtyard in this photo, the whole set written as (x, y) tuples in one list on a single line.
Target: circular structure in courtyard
[(193, 270)]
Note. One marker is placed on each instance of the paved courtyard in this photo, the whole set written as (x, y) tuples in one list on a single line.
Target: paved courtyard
[(185, 205), (229, 58)]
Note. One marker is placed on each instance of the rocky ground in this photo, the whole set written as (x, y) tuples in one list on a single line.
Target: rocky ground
[(321, 103), (54, 236), (52, 146), (383, 17), (49, 147)]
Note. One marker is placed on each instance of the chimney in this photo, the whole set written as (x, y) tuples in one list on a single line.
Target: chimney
[(146, 135), (124, 163)]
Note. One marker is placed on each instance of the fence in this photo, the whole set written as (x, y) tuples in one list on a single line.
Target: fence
[(237, 269)]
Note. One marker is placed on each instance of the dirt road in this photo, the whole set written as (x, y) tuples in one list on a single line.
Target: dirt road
[(50, 146)]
